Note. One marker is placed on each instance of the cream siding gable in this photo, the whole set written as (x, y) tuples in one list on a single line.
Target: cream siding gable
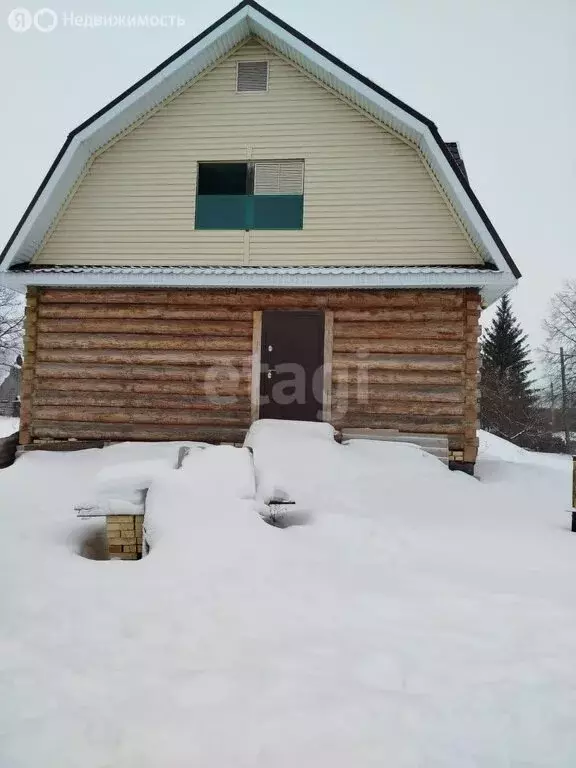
[(368, 196)]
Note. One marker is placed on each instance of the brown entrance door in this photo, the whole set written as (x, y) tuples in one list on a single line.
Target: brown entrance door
[(292, 357)]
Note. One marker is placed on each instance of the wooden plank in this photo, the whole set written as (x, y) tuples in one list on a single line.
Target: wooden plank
[(131, 312), (327, 372), (401, 346), (83, 431), (107, 415), (142, 341), (256, 364), (385, 330), (156, 357), (160, 327), (210, 402), (222, 386), (139, 372)]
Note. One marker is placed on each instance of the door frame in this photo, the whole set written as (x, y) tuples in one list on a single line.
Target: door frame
[(257, 358)]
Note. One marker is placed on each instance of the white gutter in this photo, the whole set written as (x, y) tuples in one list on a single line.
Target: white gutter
[(491, 284)]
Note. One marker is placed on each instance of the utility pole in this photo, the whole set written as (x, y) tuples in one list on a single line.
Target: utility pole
[(565, 403), (551, 406)]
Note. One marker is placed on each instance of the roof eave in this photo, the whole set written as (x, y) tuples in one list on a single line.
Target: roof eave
[(491, 284)]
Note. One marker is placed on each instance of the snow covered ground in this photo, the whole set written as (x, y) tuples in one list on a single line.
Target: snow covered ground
[(419, 618), (8, 425)]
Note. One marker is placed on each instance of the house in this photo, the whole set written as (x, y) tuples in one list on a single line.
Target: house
[(253, 230), (10, 389)]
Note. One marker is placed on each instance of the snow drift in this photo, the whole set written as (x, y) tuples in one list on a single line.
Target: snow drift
[(422, 618)]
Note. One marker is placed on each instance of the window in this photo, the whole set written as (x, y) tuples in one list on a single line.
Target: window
[(258, 195), (252, 76)]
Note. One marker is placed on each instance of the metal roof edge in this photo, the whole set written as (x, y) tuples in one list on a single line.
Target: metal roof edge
[(232, 269), (492, 284)]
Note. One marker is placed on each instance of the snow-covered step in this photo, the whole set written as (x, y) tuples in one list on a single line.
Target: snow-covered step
[(436, 445)]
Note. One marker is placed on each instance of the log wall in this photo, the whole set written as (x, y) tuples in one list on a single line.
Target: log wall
[(110, 364)]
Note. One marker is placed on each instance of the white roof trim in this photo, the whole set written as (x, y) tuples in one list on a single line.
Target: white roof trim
[(251, 19), (278, 269), (492, 285)]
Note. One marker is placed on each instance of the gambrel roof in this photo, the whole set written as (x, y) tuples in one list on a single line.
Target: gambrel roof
[(245, 20)]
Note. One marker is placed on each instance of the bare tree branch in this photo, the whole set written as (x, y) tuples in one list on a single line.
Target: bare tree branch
[(11, 324)]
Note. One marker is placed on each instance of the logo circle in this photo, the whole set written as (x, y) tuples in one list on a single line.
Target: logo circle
[(45, 20), (20, 20)]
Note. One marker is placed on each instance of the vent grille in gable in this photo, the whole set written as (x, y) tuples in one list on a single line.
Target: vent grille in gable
[(279, 178), (252, 76)]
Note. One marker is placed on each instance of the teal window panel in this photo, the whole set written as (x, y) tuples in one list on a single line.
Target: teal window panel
[(221, 211), (277, 211), (249, 211)]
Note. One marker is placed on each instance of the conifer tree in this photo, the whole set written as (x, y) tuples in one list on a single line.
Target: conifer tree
[(508, 404)]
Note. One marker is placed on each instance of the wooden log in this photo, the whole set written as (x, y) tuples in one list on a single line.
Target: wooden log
[(473, 298), (160, 327), (125, 372), (401, 406), (238, 387), (376, 394), (131, 312), (327, 372), (432, 427), (130, 356), (472, 353), (142, 341), (399, 346), (261, 299), (397, 363), (391, 299), (208, 402), (471, 391), (400, 377), (229, 298), (397, 315), (29, 364), (82, 431), (107, 415), (256, 362), (473, 335), (382, 330)]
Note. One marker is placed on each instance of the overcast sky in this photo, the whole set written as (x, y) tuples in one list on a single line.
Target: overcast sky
[(499, 76)]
